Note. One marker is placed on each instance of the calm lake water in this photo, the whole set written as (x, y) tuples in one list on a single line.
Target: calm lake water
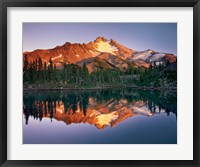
[(112, 116)]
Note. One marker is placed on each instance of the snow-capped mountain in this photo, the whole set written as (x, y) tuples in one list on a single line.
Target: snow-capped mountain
[(101, 52), (150, 56)]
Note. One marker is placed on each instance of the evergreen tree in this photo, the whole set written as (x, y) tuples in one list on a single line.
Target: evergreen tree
[(45, 71), (54, 72), (85, 73), (25, 63), (40, 65), (25, 68), (50, 69)]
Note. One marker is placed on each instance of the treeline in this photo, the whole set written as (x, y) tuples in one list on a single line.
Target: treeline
[(71, 75)]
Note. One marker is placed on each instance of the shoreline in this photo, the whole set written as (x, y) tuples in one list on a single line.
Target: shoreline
[(102, 88)]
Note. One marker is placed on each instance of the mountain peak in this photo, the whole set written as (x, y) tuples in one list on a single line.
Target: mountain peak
[(100, 38), (67, 43), (150, 50), (113, 42)]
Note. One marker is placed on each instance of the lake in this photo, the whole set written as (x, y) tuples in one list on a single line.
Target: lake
[(110, 116)]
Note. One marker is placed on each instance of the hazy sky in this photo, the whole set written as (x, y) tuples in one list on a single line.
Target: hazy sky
[(137, 36)]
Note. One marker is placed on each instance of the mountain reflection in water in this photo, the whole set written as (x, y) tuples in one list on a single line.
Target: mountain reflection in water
[(100, 108)]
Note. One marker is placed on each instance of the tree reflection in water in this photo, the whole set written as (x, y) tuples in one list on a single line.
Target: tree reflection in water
[(99, 107)]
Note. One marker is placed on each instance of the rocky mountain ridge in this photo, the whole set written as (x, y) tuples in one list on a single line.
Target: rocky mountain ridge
[(101, 53)]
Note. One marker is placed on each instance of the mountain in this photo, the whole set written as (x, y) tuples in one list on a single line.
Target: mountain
[(150, 56), (107, 54)]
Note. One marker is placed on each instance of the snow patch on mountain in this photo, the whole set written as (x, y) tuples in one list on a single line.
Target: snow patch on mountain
[(148, 56), (106, 47), (94, 53), (141, 110), (143, 55), (106, 119), (56, 57), (155, 57)]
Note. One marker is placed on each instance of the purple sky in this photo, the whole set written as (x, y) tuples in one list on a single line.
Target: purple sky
[(137, 36)]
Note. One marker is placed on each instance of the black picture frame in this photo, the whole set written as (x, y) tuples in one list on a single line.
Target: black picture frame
[(4, 4)]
